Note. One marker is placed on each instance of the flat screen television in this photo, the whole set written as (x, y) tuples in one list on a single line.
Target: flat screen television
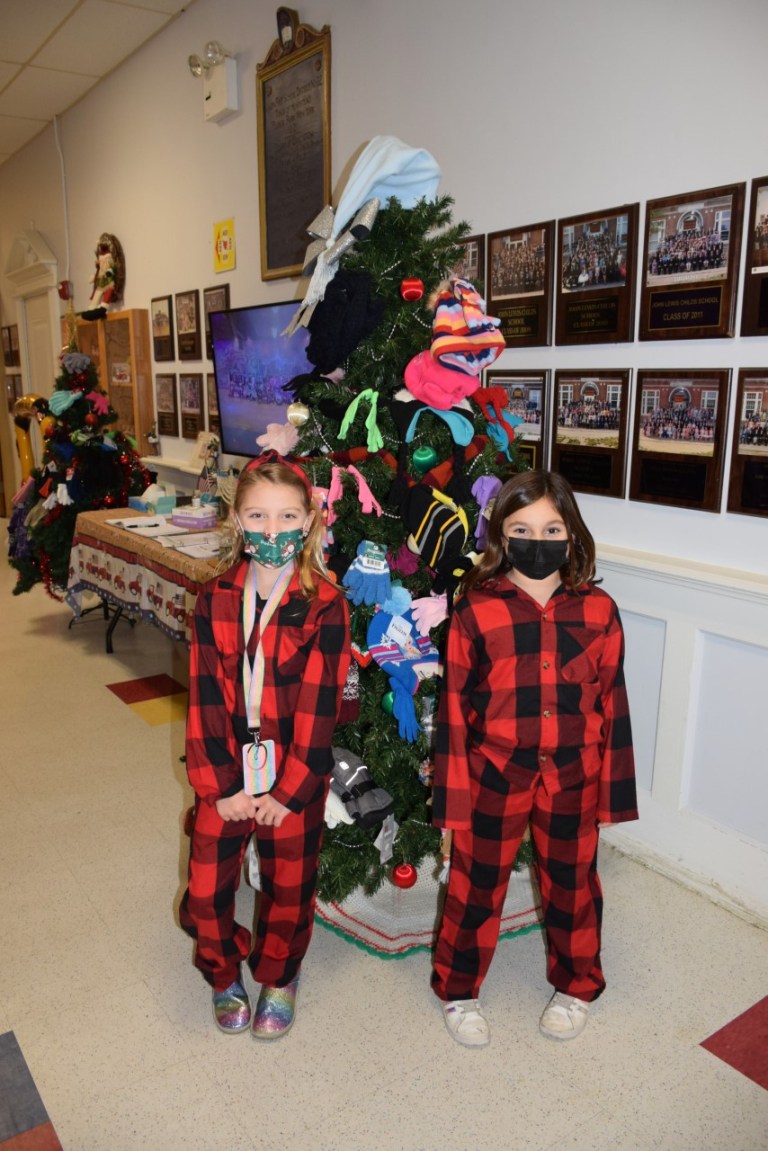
[(252, 363)]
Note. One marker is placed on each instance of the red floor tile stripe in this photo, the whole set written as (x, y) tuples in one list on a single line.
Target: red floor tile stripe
[(24, 1123), (150, 687), (42, 1138), (743, 1043)]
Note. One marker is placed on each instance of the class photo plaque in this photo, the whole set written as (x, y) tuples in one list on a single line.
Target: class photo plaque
[(191, 388), (596, 274), (748, 481), (471, 265), (678, 438), (754, 308), (166, 405), (525, 409), (690, 264), (212, 403), (161, 314), (589, 429), (188, 325), (214, 300), (519, 283)]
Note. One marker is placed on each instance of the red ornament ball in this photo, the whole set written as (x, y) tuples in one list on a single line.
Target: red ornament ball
[(404, 875), (411, 290), (91, 419)]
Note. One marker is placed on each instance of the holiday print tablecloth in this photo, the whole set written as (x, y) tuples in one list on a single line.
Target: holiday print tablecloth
[(143, 577)]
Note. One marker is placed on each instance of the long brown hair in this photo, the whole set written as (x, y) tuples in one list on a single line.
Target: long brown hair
[(519, 492), (310, 562)]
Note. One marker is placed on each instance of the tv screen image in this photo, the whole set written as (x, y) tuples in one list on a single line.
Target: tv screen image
[(252, 363)]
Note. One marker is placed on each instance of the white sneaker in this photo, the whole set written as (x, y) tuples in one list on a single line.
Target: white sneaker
[(564, 1017), (466, 1022)]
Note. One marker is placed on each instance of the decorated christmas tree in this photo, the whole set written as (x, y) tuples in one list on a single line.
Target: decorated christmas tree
[(87, 464), (406, 454)]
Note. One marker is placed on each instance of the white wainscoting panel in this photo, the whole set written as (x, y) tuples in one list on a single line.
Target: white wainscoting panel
[(697, 671)]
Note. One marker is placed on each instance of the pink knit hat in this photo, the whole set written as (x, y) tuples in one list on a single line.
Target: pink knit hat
[(435, 385)]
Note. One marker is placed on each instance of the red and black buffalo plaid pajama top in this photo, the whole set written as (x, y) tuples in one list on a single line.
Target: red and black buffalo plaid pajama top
[(307, 654), (533, 727)]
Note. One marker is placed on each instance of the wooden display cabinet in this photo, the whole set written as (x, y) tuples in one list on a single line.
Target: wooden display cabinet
[(119, 346)]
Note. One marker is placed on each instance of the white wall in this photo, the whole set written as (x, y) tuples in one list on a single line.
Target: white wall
[(534, 111)]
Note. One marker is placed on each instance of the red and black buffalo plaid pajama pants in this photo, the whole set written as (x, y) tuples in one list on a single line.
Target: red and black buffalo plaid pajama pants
[(288, 863), (565, 834)]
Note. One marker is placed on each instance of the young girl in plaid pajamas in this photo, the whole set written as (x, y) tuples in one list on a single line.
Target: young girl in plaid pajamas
[(269, 658), (533, 728)]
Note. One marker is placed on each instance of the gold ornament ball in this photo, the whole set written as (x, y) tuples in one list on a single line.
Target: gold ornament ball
[(297, 414)]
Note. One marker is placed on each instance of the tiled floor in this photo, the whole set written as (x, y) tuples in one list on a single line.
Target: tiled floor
[(114, 1025)]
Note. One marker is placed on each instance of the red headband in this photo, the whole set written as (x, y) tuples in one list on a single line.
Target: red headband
[(273, 457)]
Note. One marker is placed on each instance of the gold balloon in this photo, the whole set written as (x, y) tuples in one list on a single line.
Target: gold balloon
[(25, 409), (297, 414)]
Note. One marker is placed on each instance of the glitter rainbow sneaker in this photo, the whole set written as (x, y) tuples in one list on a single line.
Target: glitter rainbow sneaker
[(275, 1011), (232, 1008)]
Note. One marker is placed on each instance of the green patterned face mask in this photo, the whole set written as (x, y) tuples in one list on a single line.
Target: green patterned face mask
[(273, 549)]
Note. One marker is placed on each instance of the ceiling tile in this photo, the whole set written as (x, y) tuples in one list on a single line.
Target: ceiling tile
[(98, 37), (42, 93), (24, 26), (170, 7), (7, 72), (14, 133)]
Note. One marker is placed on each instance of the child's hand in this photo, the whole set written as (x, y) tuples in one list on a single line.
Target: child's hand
[(235, 807), (269, 811)]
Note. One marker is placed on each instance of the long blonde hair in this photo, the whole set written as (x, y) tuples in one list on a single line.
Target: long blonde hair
[(275, 470)]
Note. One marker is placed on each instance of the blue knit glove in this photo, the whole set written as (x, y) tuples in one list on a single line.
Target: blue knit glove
[(404, 711), (368, 577)]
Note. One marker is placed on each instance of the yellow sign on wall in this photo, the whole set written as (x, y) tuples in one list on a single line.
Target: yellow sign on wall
[(224, 245)]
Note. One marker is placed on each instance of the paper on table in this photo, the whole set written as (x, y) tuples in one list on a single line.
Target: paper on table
[(156, 526), (202, 545)]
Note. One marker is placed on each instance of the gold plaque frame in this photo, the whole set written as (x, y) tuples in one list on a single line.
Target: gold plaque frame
[(293, 98)]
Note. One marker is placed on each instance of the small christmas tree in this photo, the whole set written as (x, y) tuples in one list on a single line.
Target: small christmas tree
[(400, 477), (86, 465)]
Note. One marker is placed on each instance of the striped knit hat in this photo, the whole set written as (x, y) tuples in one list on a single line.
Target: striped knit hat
[(463, 336)]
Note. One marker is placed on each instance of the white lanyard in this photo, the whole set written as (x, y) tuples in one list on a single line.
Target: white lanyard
[(253, 679)]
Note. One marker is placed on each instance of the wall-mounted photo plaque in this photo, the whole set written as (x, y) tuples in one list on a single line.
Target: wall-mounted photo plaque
[(679, 437), (589, 429), (293, 96), (214, 300), (471, 266), (754, 308), (690, 264), (748, 486), (596, 273), (519, 283), (524, 408), (162, 328), (212, 403), (188, 324), (191, 388), (165, 402)]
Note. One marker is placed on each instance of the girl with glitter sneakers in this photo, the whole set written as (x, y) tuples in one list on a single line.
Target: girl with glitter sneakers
[(269, 658), (533, 728)]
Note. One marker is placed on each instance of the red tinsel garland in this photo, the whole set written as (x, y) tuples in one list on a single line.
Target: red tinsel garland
[(48, 584)]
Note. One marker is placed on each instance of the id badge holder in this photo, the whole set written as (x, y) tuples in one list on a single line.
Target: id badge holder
[(259, 765)]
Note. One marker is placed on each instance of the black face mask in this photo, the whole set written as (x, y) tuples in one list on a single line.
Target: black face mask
[(537, 559)]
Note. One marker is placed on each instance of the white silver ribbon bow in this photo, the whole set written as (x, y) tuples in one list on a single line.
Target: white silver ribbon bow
[(321, 260)]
